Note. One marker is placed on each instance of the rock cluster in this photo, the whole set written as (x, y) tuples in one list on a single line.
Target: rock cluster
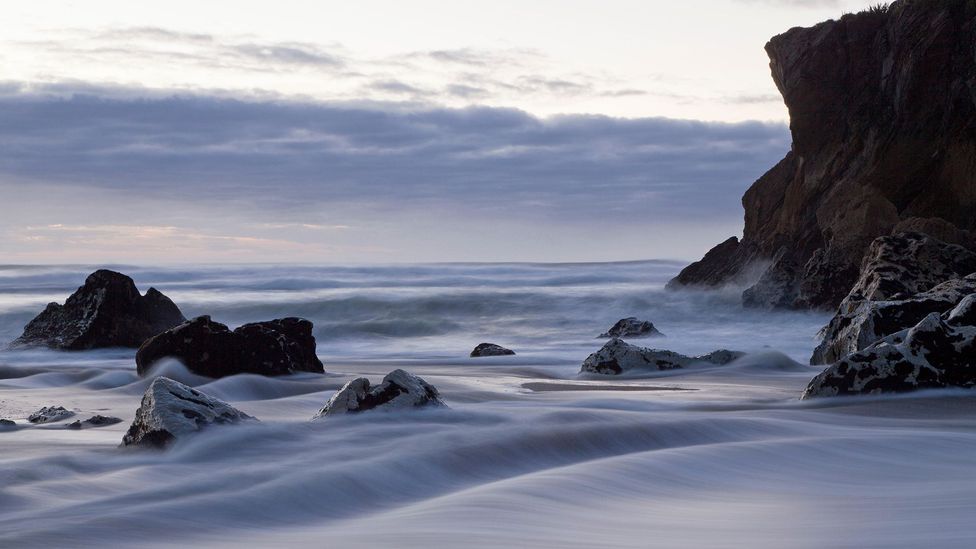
[(208, 348), (881, 109), (107, 311), (170, 410), (490, 349), (939, 351), (617, 357), (399, 390), (632, 327)]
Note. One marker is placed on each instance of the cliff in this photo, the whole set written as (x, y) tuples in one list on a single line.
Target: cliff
[(881, 108)]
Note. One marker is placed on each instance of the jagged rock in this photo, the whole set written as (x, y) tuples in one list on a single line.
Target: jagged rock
[(631, 327), (617, 356), (107, 311), (208, 348), (902, 265), (171, 410), (399, 390), (861, 323), (937, 352), (777, 287), (490, 349), (881, 107), (49, 414), (94, 421)]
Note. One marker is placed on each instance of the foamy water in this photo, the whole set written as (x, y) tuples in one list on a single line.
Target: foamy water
[(527, 455)]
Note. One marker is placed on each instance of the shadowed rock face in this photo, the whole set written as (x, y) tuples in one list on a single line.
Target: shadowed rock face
[(399, 390), (171, 410), (882, 112), (939, 351), (107, 311), (208, 348), (617, 357)]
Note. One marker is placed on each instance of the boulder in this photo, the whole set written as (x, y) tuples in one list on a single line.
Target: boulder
[(273, 348), (617, 357), (50, 414), (490, 349), (7, 424), (631, 327), (107, 311), (861, 323), (399, 390), (881, 106), (171, 410), (94, 421), (939, 351)]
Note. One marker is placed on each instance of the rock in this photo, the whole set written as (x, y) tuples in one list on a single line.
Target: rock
[(171, 410), (631, 327), (399, 390), (617, 356), (6, 424), (490, 349), (94, 421), (273, 348), (937, 352), (777, 286), (49, 414), (861, 323), (881, 107), (107, 311)]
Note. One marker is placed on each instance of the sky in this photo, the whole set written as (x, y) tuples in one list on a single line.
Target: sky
[(383, 131)]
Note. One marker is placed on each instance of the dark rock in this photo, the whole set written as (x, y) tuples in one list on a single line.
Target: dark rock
[(94, 421), (631, 327), (106, 312), (208, 348), (937, 352), (858, 324), (49, 414), (490, 349), (171, 410), (617, 356), (399, 390), (881, 114), (6, 424)]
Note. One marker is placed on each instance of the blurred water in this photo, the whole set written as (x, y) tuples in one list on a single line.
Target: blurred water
[(520, 459)]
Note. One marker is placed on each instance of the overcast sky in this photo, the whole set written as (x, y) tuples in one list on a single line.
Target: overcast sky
[(385, 131)]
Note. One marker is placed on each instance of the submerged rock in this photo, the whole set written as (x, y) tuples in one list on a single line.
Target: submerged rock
[(6, 424), (107, 311), (272, 348), (94, 421), (617, 356), (862, 323), (937, 352), (631, 327), (399, 390), (490, 349), (50, 414), (171, 410), (881, 109)]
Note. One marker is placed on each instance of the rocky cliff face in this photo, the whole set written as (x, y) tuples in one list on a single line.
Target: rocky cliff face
[(882, 108)]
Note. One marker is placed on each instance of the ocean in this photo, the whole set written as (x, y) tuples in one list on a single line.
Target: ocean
[(528, 454)]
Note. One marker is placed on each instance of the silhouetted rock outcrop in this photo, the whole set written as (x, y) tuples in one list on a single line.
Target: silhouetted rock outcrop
[(399, 390), (632, 327), (107, 311), (936, 352), (883, 118), (617, 357), (272, 348), (490, 349), (171, 410)]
